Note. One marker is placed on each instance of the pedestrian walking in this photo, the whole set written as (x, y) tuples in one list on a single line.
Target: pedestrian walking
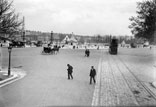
[(150, 47), (98, 48), (92, 75), (70, 71), (88, 53)]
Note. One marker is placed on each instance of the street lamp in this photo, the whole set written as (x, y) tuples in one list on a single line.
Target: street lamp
[(9, 50), (23, 36), (110, 37), (51, 36)]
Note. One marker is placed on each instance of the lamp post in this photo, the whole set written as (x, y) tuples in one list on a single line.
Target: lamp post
[(51, 37), (23, 36), (9, 50)]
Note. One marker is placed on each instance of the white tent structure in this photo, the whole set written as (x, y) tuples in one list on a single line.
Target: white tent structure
[(123, 43), (72, 39), (66, 39), (146, 43)]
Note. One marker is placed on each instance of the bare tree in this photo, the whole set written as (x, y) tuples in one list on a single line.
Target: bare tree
[(9, 20)]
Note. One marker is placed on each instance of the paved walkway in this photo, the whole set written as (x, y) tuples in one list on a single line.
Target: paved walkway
[(118, 86), (16, 74)]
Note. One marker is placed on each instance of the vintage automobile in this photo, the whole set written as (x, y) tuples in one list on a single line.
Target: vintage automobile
[(113, 48)]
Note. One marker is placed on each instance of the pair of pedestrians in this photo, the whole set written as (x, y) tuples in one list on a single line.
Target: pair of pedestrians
[(87, 52), (92, 73)]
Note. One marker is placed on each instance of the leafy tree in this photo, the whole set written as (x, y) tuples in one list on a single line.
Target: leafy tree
[(61, 36), (9, 21), (81, 40), (144, 24), (98, 38)]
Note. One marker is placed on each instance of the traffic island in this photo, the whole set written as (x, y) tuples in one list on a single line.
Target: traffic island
[(15, 75), (154, 84), (4, 76)]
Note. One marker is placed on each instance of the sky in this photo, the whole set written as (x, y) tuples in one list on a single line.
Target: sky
[(82, 17)]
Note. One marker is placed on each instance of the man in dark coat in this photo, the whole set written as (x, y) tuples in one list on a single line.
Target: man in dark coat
[(92, 74), (88, 53), (70, 71)]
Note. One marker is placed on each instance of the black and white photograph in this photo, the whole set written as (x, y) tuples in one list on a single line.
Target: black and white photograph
[(77, 53)]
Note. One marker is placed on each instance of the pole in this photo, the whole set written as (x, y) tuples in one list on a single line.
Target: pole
[(23, 28), (51, 37), (0, 59), (23, 36), (110, 37), (9, 63), (155, 34)]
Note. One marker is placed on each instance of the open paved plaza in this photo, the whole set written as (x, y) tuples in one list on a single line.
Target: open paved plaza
[(46, 81), (123, 79)]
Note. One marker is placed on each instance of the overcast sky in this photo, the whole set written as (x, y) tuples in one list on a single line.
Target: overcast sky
[(84, 17)]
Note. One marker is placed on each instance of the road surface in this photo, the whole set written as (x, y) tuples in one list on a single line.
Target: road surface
[(46, 83)]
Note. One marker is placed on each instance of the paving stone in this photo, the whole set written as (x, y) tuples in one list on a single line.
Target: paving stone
[(114, 90), (118, 86), (136, 86)]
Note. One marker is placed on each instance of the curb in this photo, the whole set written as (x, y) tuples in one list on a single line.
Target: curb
[(16, 75), (96, 99), (154, 84), (4, 82)]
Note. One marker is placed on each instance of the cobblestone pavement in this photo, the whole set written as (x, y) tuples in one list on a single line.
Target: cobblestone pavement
[(119, 86)]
